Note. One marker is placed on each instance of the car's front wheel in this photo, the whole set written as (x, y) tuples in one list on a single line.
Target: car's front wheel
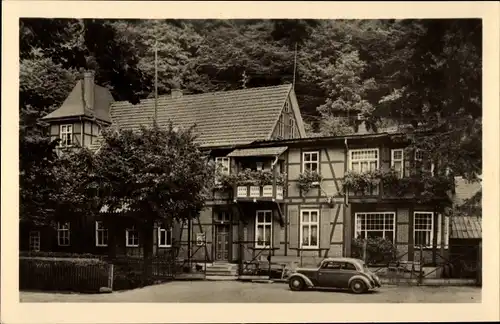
[(296, 283), (358, 286)]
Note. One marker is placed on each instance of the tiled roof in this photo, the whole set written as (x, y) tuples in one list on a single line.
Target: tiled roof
[(262, 151), (224, 118), (466, 227), (73, 106)]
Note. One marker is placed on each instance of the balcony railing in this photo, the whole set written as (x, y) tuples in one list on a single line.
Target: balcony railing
[(251, 185), (255, 191), (388, 185)]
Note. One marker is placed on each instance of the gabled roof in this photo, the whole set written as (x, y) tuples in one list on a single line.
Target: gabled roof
[(74, 106), (465, 190), (224, 118)]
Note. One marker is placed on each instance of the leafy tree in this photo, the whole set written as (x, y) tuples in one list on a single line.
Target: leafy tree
[(53, 186), (161, 174), (441, 93), (37, 184)]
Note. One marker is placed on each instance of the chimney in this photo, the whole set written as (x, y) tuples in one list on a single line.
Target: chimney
[(176, 93), (88, 89)]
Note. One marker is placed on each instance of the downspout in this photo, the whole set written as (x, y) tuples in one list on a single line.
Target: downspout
[(275, 161)]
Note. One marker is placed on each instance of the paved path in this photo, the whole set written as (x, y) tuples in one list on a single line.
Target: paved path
[(238, 292)]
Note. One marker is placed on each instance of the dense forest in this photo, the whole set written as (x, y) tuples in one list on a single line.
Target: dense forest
[(423, 73)]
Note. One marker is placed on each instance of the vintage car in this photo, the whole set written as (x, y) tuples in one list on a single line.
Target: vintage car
[(343, 273)]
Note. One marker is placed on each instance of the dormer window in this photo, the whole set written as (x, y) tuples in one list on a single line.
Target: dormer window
[(66, 135)]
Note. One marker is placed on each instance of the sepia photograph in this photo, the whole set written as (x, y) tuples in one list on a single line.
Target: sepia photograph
[(255, 160)]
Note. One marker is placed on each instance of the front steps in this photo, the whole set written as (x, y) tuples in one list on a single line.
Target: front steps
[(222, 271)]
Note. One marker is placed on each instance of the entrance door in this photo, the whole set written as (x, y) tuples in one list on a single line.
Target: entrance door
[(222, 242)]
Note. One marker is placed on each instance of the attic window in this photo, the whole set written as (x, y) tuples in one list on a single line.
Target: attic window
[(66, 135)]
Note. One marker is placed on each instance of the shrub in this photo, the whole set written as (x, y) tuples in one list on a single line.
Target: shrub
[(378, 250)]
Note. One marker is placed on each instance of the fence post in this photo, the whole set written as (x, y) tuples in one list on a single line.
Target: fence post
[(364, 250), (421, 261), (110, 276)]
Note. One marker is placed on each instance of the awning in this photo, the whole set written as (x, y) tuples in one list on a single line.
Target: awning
[(259, 151), (465, 227)]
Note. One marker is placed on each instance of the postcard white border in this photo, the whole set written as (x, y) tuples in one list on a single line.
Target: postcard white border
[(12, 311)]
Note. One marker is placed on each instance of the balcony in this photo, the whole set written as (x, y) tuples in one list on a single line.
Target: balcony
[(259, 192), (422, 186), (254, 185)]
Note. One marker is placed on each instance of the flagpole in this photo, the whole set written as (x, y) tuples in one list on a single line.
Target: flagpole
[(294, 66), (156, 81)]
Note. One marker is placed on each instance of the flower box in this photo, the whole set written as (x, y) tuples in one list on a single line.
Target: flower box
[(242, 191), (279, 192), (267, 191), (254, 191)]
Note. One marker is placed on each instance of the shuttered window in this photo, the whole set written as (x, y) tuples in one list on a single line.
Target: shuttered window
[(309, 228)]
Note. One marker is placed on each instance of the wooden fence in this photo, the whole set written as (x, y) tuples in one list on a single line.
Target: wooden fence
[(81, 275)]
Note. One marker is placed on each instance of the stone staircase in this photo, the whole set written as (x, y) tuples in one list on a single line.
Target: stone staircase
[(222, 271)]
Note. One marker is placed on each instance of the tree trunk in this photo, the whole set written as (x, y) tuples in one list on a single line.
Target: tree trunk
[(147, 234)]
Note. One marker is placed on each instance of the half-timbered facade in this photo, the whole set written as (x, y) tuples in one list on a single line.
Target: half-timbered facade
[(257, 138)]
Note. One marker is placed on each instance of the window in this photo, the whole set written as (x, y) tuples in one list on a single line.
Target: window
[(363, 160), (310, 161), (397, 161), (281, 127), (164, 237), (101, 234), (223, 164), (263, 228), (309, 225), (332, 265), (222, 216), (419, 155), (348, 266), (34, 241), (131, 237), (423, 228), (292, 126), (422, 162), (376, 225), (63, 234), (66, 134)]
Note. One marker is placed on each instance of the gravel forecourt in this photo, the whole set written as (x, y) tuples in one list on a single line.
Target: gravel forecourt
[(247, 292)]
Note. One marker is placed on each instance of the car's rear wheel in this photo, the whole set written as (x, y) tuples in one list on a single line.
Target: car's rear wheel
[(296, 283), (358, 286)]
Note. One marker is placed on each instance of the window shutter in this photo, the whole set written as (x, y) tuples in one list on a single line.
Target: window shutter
[(446, 230), (293, 229), (276, 232), (407, 162), (324, 234), (176, 232)]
